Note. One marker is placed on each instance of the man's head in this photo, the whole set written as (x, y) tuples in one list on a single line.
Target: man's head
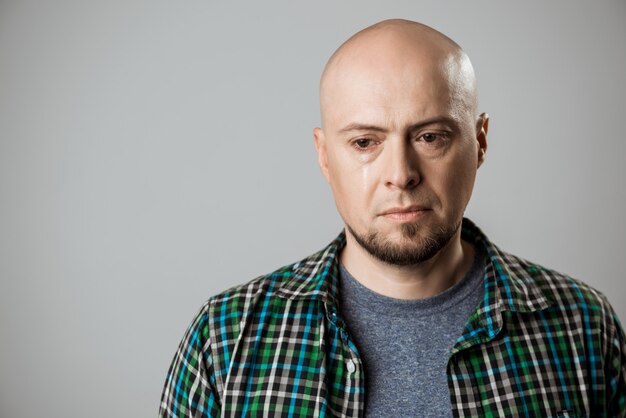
[(401, 139)]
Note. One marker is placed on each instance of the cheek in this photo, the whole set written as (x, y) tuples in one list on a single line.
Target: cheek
[(352, 183), (339, 183), (459, 179)]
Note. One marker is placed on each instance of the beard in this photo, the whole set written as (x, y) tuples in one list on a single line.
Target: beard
[(412, 249)]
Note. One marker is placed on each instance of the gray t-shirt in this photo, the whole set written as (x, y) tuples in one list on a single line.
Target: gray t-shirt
[(405, 344)]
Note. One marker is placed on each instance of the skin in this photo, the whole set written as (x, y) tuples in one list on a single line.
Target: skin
[(399, 128)]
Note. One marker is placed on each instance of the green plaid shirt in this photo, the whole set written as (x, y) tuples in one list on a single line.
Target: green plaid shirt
[(540, 344)]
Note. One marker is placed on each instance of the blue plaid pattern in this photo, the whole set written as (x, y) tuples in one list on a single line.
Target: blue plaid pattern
[(539, 344)]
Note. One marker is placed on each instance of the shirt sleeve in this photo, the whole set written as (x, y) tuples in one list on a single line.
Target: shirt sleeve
[(616, 364), (190, 385)]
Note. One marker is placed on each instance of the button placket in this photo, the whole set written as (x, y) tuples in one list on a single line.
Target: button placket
[(350, 366), (352, 361)]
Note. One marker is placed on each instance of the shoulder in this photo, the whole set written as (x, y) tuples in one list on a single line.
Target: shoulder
[(519, 285), (575, 300), (545, 324), (560, 288), (234, 302), (578, 317), (560, 301), (307, 278)]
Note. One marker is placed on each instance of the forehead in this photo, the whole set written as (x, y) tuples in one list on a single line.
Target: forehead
[(384, 93)]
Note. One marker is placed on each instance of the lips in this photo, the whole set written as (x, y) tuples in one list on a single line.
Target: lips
[(407, 210), (405, 214)]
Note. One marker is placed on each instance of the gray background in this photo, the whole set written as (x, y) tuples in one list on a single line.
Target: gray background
[(154, 153)]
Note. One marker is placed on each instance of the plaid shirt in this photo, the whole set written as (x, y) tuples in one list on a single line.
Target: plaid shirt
[(539, 344)]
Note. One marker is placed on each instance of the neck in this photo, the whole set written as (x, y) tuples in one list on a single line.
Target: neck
[(419, 281)]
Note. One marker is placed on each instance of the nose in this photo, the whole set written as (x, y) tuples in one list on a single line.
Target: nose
[(401, 166)]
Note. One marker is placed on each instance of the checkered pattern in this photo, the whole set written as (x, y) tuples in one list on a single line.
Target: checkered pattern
[(541, 344)]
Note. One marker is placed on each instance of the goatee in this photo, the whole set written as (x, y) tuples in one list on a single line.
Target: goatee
[(414, 249)]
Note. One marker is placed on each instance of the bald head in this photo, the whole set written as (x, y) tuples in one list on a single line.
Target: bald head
[(397, 52)]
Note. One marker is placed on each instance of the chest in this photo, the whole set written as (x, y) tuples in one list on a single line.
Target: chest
[(300, 360)]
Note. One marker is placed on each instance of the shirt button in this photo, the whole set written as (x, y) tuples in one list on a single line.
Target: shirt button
[(351, 366)]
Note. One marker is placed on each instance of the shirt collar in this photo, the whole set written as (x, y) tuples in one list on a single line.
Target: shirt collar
[(316, 276), (509, 281)]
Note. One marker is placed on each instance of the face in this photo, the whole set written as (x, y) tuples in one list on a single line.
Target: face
[(400, 150)]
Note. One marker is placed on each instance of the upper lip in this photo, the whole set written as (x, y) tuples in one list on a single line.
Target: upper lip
[(412, 208)]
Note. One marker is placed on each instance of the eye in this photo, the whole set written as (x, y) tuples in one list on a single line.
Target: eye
[(430, 137), (362, 143), (434, 138)]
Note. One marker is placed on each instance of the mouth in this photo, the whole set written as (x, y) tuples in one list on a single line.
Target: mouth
[(409, 213)]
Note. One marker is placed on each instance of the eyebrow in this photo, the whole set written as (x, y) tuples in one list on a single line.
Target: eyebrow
[(355, 126)]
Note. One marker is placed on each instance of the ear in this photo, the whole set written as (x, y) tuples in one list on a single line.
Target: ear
[(322, 156), (482, 126)]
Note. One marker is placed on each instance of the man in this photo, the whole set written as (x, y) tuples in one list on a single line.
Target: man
[(411, 311)]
